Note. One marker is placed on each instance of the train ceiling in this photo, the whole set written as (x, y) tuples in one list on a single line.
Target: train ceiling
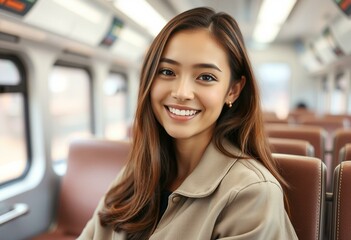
[(319, 26)]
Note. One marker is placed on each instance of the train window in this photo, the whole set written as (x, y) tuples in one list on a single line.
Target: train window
[(70, 109), (339, 94), (115, 103), (323, 103), (9, 73), (274, 81), (14, 134)]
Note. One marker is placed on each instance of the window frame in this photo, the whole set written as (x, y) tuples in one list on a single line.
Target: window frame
[(21, 88)]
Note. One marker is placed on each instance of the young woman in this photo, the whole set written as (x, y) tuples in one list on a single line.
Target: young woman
[(200, 166)]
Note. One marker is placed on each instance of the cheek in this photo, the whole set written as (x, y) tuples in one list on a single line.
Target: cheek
[(155, 92), (214, 100)]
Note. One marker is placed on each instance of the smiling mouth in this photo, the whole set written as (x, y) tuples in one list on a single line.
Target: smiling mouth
[(182, 112)]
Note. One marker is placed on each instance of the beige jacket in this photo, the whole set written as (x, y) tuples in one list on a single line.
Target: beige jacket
[(223, 198)]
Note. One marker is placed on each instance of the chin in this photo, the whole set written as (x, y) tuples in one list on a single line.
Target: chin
[(178, 134)]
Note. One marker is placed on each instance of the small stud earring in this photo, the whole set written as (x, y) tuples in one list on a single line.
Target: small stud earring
[(229, 104)]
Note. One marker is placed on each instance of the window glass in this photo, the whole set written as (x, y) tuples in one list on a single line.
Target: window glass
[(324, 93), (339, 94), (115, 103), (274, 81), (69, 108), (9, 72), (13, 140)]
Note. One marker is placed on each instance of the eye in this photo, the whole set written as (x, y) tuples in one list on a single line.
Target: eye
[(166, 72), (207, 78)]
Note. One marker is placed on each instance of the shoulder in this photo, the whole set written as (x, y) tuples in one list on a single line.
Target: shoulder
[(250, 173), (250, 184), (255, 171), (253, 198), (251, 169), (244, 171)]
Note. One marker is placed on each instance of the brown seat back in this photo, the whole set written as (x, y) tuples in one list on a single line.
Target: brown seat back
[(306, 193), (295, 114), (341, 138), (91, 167), (341, 220), (345, 153), (314, 135), (328, 124), (291, 146)]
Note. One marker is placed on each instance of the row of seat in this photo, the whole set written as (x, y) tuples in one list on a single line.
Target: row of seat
[(317, 137), (336, 208), (330, 136), (331, 124), (93, 164), (329, 121)]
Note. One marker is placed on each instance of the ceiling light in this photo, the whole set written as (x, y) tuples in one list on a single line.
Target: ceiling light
[(143, 14), (275, 11), (271, 17), (265, 33)]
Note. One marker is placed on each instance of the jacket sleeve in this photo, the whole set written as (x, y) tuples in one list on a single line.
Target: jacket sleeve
[(255, 212)]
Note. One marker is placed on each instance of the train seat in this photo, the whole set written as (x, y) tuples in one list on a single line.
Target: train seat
[(291, 146), (314, 135), (341, 214), (306, 193), (345, 153), (327, 123), (271, 118), (338, 116), (91, 167), (296, 114), (340, 139)]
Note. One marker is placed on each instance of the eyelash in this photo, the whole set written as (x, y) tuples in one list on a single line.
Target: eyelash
[(167, 73), (212, 78)]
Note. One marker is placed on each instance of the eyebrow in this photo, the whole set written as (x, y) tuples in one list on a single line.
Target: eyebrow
[(198, 65)]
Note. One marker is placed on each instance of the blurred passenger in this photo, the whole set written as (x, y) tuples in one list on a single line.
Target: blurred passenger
[(301, 110), (200, 165), (301, 106)]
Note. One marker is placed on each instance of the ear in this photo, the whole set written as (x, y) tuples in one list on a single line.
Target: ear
[(235, 89)]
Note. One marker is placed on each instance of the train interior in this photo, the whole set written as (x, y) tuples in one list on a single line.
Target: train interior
[(69, 77)]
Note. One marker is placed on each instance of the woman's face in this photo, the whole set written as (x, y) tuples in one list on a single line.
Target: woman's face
[(192, 85)]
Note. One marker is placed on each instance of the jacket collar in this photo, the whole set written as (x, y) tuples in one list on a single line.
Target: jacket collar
[(209, 172)]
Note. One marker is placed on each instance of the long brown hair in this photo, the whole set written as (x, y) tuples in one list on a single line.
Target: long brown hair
[(133, 205)]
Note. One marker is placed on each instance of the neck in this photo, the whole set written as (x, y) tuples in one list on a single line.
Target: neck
[(188, 155)]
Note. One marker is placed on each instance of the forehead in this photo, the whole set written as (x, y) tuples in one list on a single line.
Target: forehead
[(195, 46)]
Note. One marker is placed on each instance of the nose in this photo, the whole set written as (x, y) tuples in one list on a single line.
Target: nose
[(183, 89)]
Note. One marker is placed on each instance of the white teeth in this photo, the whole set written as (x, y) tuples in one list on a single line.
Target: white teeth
[(182, 112)]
